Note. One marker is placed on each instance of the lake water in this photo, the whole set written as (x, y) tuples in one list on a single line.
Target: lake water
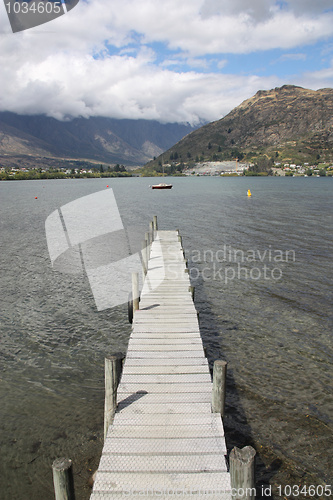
[(262, 268)]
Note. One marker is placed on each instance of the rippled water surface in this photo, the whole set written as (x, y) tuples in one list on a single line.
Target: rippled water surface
[(262, 268)]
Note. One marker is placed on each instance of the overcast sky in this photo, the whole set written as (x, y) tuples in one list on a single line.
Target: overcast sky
[(169, 60)]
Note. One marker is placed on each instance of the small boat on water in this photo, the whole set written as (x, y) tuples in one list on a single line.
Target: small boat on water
[(162, 185)]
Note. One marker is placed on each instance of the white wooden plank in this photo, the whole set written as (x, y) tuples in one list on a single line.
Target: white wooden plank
[(168, 337), (153, 486), (165, 408), (168, 431), (166, 291), (171, 280), (161, 445), (166, 304), (149, 336), (196, 397), (166, 354), (210, 419), (159, 494), (164, 320), (194, 340), (155, 378), (142, 328), (166, 463), (164, 307), (162, 388), (169, 315), (176, 286), (131, 370), (201, 361), (165, 339), (167, 301), (179, 300), (162, 346)]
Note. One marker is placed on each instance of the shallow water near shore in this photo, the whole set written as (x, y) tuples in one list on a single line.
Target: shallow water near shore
[(262, 272)]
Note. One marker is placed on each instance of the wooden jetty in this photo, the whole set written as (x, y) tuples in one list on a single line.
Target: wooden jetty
[(164, 439)]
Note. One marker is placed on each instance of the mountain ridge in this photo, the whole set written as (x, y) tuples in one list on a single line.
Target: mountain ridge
[(287, 122), (131, 142)]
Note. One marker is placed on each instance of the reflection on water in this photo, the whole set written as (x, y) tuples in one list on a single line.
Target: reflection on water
[(274, 330)]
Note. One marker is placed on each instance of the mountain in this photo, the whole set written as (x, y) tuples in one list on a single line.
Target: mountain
[(131, 142), (288, 122)]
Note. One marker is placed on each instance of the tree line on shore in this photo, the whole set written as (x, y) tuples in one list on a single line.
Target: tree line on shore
[(51, 173)]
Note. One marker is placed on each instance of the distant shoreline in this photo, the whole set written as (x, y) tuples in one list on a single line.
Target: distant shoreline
[(129, 175)]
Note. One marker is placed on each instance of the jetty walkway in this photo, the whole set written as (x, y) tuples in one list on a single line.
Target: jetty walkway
[(164, 441)]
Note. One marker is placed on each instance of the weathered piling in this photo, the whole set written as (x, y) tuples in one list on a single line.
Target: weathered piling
[(148, 239), (155, 222), (242, 473), (135, 291), (191, 289), (113, 366), (63, 479), (219, 386), (151, 230), (144, 257)]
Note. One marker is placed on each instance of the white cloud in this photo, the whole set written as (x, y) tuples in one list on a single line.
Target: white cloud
[(258, 10), (230, 27), (123, 87), (292, 57), (319, 79), (309, 6), (66, 68)]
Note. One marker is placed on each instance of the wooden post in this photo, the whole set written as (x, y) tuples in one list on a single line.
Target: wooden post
[(151, 230), (147, 238), (144, 257), (130, 308), (242, 473), (63, 479), (219, 386), (155, 222), (191, 289), (113, 367), (147, 251), (135, 291)]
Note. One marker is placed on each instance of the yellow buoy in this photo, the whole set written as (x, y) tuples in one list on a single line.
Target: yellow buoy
[(249, 193)]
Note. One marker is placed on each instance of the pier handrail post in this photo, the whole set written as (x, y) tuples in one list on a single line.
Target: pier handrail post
[(113, 367), (219, 386), (63, 479), (242, 472), (135, 291)]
